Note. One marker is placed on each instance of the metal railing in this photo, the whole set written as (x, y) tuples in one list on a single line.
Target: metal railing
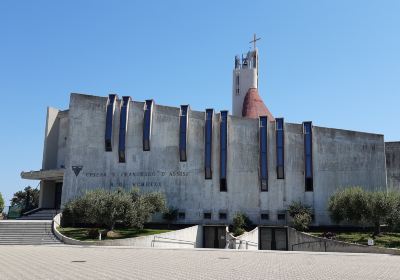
[(160, 239), (311, 242), (14, 212), (239, 243)]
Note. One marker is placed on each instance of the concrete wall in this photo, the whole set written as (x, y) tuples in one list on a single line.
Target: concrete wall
[(392, 150), (55, 143), (341, 158), (47, 194), (191, 237), (345, 158), (248, 240), (299, 241), (51, 139)]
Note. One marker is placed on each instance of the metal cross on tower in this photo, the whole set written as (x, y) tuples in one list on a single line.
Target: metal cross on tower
[(255, 39)]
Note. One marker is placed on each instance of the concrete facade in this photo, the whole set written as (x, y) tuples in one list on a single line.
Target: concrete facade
[(340, 159), (392, 150)]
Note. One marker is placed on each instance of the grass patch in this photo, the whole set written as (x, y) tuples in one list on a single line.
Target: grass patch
[(385, 239), (82, 234)]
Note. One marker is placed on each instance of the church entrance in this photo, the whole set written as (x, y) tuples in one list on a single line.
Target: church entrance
[(57, 197), (273, 238), (214, 237)]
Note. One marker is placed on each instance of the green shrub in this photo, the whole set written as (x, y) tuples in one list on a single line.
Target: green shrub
[(296, 208), (357, 206), (93, 233), (1, 204), (301, 215), (28, 199), (106, 208), (302, 221), (241, 223), (394, 217)]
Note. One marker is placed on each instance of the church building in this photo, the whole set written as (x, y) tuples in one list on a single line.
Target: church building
[(210, 165)]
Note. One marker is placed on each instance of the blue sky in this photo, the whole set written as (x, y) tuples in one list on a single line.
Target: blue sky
[(336, 63)]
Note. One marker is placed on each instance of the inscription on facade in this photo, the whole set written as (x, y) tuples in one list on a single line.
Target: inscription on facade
[(139, 178), (139, 174)]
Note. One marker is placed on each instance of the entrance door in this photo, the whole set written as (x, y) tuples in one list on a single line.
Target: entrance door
[(57, 198), (272, 238), (214, 237)]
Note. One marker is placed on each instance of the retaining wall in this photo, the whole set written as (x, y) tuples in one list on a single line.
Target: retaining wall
[(186, 238), (299, 241), (246, 241)]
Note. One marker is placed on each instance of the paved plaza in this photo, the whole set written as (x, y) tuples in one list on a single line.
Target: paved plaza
[(74, 262)]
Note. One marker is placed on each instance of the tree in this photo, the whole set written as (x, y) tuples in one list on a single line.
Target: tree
[(101, 207), (241, 223), (394, 218), (1, 204), (296, 208), (301, 215), (27, 199), (302, 221), (380, 207), (357, 206)]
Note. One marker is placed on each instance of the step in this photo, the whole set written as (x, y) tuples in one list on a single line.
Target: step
[(34, 218), (26, 239), (25, 227), (30, 243), (2, 237), (45, 237), (2, 232)]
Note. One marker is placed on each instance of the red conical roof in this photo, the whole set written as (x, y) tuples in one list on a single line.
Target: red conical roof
[(253, 106)]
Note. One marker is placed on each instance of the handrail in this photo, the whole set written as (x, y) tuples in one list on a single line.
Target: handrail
[(241, 241), (32, 211), (171, 240), (310, 242)]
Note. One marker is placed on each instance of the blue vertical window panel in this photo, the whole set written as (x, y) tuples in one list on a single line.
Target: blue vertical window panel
[(263, 142), (148, 111), (109, 122), (308, 159), (223, 150), (280, 148), (183, 125), (123, 127), (208, 143)]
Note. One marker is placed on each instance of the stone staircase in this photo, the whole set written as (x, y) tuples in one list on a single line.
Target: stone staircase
[(22, 232), (42, 214)]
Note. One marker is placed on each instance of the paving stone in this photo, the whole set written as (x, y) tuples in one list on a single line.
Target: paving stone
[(76, 262)]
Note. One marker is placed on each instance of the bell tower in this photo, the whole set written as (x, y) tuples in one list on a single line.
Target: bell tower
[(245, 77)]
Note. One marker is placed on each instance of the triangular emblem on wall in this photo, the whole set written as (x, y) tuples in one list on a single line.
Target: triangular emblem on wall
[(77, 169)]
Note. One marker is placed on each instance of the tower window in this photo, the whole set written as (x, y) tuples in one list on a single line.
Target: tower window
[(148, 112), (208, 143), (280, 148), (183, 125), (109, 122), (223, 149), (263, 143), (123, 127), (307, 131), (237, 85)]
